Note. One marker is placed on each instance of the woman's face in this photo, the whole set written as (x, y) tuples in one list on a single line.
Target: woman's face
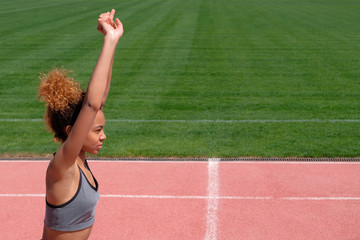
[(96, 135)]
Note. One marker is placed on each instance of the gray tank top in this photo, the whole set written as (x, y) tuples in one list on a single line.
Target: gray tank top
[(79, 212)]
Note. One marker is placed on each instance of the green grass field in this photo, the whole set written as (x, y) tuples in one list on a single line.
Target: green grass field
[(193, 60)]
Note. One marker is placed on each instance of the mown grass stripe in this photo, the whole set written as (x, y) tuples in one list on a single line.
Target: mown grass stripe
[(211, 120), (223, 63)]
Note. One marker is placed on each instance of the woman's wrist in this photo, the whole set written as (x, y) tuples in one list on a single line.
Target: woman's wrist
[(109, 38)]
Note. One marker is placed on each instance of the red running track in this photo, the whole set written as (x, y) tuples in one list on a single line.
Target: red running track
[(197, 200)]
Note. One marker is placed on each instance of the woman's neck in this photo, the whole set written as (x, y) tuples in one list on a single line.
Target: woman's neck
[(81, 158)]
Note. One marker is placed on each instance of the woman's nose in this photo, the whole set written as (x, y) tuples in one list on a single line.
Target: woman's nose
[(103, 136)]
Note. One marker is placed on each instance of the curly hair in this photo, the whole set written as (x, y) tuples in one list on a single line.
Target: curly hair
[(63, 98)]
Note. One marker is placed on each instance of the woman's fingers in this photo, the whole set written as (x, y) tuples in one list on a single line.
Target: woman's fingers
[(104, 15), (107, 17), (108, 14), (111, 18), (107, 24), (112, 13), (118, 23)]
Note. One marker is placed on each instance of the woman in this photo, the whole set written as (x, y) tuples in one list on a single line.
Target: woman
[(77, 120)]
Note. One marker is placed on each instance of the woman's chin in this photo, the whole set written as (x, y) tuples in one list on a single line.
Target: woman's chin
[(94, 152)]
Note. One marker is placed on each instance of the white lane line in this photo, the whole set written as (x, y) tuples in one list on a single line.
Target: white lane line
[(186, 197), (213, 199), (22, 195), (206, 120), (150, 196), (319, 198), (4, 195)]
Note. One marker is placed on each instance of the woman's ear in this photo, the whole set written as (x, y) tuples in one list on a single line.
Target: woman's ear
[(68, 129)]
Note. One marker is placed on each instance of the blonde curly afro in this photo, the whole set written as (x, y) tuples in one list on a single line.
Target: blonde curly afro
[(63, 98)]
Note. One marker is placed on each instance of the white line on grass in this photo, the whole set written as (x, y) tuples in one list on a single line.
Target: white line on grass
[(207, 120), (236, 120), (213, 199), (21, 120)]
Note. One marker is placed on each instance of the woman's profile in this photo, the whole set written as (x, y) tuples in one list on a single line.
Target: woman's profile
[(77, 121)]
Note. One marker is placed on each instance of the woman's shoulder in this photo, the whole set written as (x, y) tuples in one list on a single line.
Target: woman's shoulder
[(59, 169)]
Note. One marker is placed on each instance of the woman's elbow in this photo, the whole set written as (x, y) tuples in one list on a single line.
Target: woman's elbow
[(95, 106)]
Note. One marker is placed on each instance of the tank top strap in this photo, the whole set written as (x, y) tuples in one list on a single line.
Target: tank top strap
[(87, 180)]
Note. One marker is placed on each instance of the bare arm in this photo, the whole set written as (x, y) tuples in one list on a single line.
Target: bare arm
[(95, 97), (109, 79), (109, 18)]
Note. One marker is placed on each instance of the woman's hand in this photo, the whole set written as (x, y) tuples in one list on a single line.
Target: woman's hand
[(108, 27)]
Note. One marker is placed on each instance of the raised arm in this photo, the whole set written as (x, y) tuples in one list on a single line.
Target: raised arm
[(108, 18), (95, 96)]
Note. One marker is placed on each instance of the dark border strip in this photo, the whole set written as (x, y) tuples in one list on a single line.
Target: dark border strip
[(243, 159)]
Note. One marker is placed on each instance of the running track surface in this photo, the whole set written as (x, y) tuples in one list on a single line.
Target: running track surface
[(197, 200)]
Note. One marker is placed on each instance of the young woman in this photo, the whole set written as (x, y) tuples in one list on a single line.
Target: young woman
[(77, 120)]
